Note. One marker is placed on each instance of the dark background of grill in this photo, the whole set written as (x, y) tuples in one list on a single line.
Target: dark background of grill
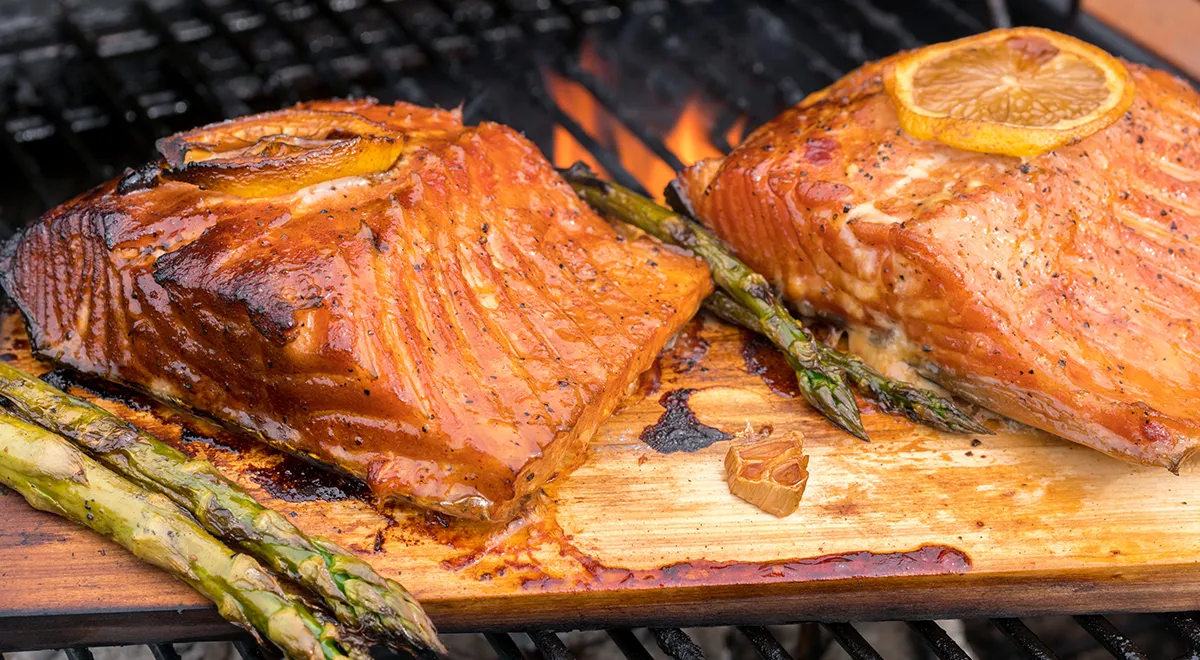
[(87, 86)]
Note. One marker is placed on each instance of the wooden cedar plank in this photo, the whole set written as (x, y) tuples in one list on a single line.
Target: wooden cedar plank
[(639, 537)]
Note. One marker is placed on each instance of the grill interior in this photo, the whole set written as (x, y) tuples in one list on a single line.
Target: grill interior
[(87, 86)]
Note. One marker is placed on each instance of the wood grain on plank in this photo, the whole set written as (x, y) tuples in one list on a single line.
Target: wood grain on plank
[(913, 524)]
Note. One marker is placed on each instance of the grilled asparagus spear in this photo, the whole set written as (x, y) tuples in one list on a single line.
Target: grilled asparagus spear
[(360, 598), (823, 387), (744, 297), (53, 475), (892, 396)]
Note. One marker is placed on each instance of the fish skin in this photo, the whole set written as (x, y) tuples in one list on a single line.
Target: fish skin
[(1062, 291), (452, 331)]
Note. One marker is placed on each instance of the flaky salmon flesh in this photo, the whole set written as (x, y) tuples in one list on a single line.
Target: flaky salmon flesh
[(451, 329), (1062, 291)]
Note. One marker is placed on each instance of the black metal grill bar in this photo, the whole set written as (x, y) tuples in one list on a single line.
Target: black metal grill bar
[(851, 48), (62, 127), (180, 62), (999, 10), (818, 61), (629, 645), (28, 168), (284, 93), (549, 645), (764, 643), (203, 87), (610, 161), (164, 652), (125, 108), (504, 646), (885, 22), (570, 67), (248, 650), (1187, 627), (625, 115), (716, 134), (964, 20), (788, 91), (852, 641), (606, 157), (374, 54), (1110, 638), (937, 638), (676, 644), (713, 82), (321, 66), (1029, 643)]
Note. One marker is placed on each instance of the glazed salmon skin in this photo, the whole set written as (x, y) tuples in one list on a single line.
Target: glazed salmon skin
[(450, 330), (1061, 291)]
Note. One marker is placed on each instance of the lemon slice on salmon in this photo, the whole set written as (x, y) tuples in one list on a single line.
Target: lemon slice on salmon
[(1019, 92)]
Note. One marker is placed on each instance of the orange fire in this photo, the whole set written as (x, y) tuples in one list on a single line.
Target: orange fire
[(688, 138), (580, 106)]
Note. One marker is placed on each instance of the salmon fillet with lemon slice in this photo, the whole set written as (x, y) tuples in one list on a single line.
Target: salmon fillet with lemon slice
[(421, 304), (1061, 288)]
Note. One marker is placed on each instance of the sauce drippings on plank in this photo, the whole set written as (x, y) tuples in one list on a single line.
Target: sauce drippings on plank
[(767, 362), (689, 348), (511, 553)]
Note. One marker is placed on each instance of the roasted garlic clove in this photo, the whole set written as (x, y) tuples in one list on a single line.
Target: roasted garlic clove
[(770, 474), (279, 152)]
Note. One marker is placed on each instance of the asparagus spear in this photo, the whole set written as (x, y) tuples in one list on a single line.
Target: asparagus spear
[(360, 598), (821, 384), (892, 396), (55, 476)]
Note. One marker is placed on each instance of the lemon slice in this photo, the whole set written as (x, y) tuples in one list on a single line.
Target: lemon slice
[(1019, 92)]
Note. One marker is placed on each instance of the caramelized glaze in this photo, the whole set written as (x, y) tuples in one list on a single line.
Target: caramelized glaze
[(1060, 291), (450, 331)]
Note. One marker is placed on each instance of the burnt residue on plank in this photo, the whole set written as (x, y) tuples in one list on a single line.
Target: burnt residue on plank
[(295, 480), (66, 378), (678, 429), (767, 362), (213, 436), (192, 429)]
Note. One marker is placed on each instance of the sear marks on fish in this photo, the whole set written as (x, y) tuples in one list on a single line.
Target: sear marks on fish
[(1061, 291), (451, 330)]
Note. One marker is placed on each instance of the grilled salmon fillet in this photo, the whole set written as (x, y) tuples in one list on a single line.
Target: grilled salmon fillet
[(1062, 291), (451, 330)]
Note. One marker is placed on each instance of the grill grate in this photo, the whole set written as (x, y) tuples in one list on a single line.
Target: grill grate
[(101, 80), (677, 644), (86, 88)]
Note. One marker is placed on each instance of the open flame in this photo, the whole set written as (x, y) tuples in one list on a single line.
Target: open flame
[(688, 139)]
